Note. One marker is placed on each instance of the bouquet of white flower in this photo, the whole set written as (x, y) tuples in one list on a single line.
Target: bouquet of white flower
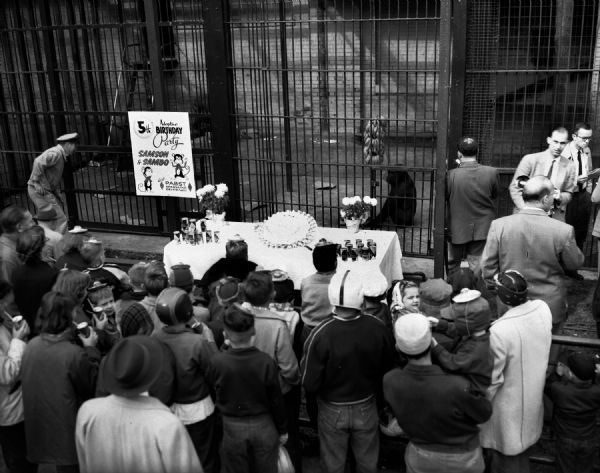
[(213, 198), (357, 208)]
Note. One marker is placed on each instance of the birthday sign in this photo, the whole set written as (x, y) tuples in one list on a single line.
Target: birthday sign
[(161, 148)]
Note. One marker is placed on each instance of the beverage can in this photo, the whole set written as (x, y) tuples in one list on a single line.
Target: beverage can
[(84, 329), (99, 313)]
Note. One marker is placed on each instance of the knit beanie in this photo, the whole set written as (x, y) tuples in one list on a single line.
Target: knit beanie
[(133, 318), (325, 257), (471, 312), (512, 287), (413, 333), (581, 365), (181, 276)]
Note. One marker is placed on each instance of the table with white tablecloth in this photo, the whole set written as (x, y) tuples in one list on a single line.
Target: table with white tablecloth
[(297, 262)]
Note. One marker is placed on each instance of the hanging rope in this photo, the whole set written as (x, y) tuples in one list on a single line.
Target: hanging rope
[(374, 149)]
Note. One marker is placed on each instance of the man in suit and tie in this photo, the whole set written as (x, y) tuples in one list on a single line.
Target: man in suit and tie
[(561, 172), (471, 192), (580, 208), (540, 248)]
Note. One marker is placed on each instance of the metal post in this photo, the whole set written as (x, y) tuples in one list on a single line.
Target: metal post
[(442, 137), (57, 105), (458, 72), (323, 55), (158, 88), (217, 44), (286, 96)]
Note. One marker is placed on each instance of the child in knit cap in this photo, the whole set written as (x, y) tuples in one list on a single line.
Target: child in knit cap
[(576, 401), (470, 353)]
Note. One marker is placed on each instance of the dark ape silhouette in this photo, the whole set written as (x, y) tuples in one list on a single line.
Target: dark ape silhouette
[(401, 203)]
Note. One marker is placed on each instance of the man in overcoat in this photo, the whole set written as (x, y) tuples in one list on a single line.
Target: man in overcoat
[(471, 193)]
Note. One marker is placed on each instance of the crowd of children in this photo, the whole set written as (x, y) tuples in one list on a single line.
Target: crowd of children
[(233, 354)]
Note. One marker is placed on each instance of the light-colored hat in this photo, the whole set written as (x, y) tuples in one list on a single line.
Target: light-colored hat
[(375, 283), (346, 289), (413, 333), (78, 229), (68, 137)]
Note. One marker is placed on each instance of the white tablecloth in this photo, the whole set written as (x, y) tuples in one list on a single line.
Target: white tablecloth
[(297, 262)]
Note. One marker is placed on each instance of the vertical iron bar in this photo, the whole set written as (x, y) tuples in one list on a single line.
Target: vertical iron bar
[(158, 88), (57, 105), (323, 67), (457, 90), (286, 95), (217, 44), (442, 137)]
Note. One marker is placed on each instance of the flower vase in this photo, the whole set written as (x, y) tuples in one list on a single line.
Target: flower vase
[(217, 220), (353, 224)]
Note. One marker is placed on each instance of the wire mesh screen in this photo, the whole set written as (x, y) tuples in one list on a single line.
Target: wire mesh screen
[(309, 78), (530, 66)]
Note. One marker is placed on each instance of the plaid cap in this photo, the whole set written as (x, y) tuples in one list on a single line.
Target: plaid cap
[(133, 318)]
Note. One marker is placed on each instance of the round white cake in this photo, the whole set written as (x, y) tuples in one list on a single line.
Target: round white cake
[(288, 229)]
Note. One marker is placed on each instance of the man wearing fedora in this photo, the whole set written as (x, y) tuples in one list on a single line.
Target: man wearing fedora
[(43, 186), (156, 440), (47, 220)]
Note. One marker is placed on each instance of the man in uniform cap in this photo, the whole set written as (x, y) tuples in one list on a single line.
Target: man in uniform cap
[(43, 186)]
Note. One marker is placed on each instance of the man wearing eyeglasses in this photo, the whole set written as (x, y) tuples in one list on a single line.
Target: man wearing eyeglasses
[(551, 164), (580, 207)]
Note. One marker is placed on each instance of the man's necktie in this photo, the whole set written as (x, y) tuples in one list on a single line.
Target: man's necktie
[(580, 168), (549, 175)]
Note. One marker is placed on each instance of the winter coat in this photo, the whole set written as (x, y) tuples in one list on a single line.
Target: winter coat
[(57, 377), (520, 342)]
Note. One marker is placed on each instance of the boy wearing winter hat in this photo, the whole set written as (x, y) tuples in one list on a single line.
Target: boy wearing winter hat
[(576, 400), (181, 276), (249, 398), (345, 358), (438, 411), (193, 352), (316, 306), (470, 353)]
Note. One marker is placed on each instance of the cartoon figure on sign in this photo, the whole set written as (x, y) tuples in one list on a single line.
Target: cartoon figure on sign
[(180, 164), (147, 172)]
